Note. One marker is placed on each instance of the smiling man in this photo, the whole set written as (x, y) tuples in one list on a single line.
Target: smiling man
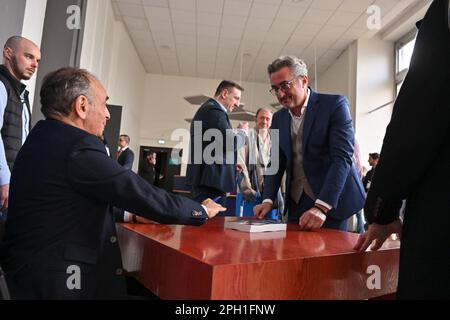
[(60, 240), (315, 149), (20, 61)]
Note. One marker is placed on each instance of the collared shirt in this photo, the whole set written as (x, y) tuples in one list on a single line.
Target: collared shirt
[(297, 121), (5, 174), (221, 105)]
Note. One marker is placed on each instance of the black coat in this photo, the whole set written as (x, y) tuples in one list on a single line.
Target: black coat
[(62, 187), (415, 164), (126, 159), (220, 175)]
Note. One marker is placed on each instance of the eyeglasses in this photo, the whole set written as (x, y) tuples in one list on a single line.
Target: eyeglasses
[(284, 86)]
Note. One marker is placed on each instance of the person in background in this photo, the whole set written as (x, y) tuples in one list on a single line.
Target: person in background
[(214, 179), (148, 168), (60, 240), (360, 170), (20, 61), (253, 159), (125, 156), (373, 162)]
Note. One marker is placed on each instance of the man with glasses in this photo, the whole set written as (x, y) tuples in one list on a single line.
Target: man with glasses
[(315, 149)]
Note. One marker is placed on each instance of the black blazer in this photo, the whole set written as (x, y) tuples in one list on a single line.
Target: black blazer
[(126, 159), (62, 188), (221, 174), (415, 164)]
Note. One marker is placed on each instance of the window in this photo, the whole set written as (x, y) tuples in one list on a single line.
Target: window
[(403, 53)]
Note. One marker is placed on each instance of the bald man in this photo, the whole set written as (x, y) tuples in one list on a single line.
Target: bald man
[(20, 61)]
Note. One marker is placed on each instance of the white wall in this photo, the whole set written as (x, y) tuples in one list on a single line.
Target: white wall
[(365, 74), (109, 54), (33, 25), (375, 87), (340, 78)]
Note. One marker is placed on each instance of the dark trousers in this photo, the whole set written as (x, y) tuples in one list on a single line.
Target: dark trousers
[(200, 193), (295, 211)]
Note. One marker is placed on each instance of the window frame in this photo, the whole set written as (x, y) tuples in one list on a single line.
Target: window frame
[(399, 44)]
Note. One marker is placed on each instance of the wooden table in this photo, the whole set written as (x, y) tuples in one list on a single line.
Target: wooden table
[(210, 262)]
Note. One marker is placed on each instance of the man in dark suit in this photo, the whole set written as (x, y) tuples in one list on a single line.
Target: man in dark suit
[(148, 168), (419, 130), (60, 237), (315, 149), (212, 167), (373, 162), (125, 155)]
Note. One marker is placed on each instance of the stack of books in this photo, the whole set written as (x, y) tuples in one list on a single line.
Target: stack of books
[(254, 225)]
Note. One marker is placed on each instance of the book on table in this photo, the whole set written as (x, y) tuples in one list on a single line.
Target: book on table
[(254, 225)]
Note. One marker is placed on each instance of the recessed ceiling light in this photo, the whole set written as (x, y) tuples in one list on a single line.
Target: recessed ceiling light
[(165, 46)]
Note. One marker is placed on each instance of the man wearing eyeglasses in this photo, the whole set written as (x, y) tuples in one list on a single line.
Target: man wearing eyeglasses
[(315, 149)]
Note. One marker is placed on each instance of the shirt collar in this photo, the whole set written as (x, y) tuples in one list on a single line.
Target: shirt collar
[(221, 105), (305, 104)]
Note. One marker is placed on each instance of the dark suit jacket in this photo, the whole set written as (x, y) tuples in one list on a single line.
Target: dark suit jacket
[(126, 159), (328, 142), (220, 175), (415, 164), (148, 172), (62, 188)]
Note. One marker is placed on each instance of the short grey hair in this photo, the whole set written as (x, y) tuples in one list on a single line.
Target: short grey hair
[(60, 88), (296, 65)]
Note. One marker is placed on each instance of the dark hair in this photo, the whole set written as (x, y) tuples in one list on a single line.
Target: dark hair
[(60, 88), (374, 156), (227, 84), (126, 137)]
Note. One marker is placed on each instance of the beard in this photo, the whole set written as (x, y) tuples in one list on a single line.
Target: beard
[(17, 71)]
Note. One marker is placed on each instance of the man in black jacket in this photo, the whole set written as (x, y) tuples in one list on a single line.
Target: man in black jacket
[(125, 156), (212, 168), (60, 239), (419, 130)]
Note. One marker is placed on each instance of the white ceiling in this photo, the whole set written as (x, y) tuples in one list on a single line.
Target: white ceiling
[(237, 39)]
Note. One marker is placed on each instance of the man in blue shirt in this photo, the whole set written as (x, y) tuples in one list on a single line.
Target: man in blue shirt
[(20, 61)]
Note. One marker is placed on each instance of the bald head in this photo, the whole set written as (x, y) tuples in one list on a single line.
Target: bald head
[(21, 57), (13, 42)]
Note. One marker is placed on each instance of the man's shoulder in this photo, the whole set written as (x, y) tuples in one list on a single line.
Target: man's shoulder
[(208, 109), (280, 113), (55, 131)]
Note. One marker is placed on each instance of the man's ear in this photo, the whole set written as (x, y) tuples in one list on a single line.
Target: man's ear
[(81, 107), (224, 93), (8, 53), (305, 80)]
